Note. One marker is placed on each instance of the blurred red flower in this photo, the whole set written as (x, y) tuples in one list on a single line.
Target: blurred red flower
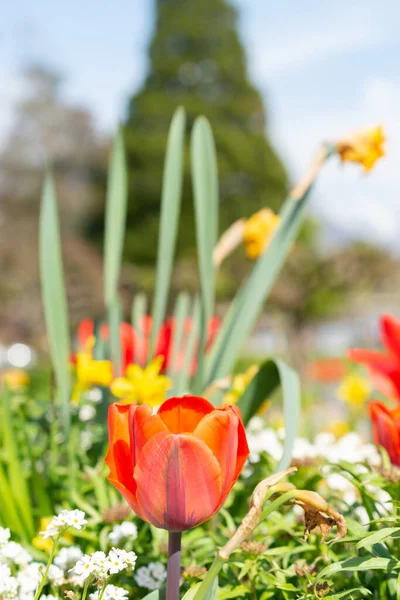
[(135, 344), (384, 367), (175, 468), (386, 429)]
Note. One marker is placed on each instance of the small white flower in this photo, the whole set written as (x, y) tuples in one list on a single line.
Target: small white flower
[(66, 518), (67, 557), (158, 571), (144, 579), (56, 575), (86, 440), (120, 560), (15, 553), (87, 413), (112, 592), (101, 565), (126, 529), (94, 395), (48, 597), (83, 567), (4, 536)]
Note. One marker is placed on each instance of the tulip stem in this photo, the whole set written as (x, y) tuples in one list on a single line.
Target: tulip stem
[(174, 565)]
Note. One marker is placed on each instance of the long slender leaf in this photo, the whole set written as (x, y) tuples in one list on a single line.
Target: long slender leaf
[(8, 513), (54, 295), (359, 563), (210, 595), (272, 374), (116, 207), (249, 301), (114, 320), (181, 312), (139, 311), (170, 209), (205, 192), (183, 379), (16, 475)]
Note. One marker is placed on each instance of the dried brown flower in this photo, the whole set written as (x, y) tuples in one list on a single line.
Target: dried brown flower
[(254, 547), (118, 512), (194, 571)]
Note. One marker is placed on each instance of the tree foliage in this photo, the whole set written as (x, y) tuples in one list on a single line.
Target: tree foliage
[(196, 60)]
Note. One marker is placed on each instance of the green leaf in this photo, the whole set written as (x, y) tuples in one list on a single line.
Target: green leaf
[(170, 210), (205, 193), (272, 374), (114, 321), (181, 312), (156, 595), (139, 311), (16, 475), (363, 563), (8, 513), (360, 590), (115, 220), (211, 593), (377, 536), (54, 296), (183, 378), (250, 299)]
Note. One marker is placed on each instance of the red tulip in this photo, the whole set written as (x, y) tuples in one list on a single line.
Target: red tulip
[(135, 345), (386, 429), (175, 468), (384, 368)]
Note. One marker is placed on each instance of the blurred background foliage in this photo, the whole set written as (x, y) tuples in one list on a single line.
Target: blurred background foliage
[(195, 58)]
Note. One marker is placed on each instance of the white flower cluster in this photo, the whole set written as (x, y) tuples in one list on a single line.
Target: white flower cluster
[(151, 577), (112, 592), (66, 518), (350, 447), (125, 530), (68, 557), (19, 574), (101, 566)]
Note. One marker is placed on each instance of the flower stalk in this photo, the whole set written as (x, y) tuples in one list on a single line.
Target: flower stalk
[(174, 565)]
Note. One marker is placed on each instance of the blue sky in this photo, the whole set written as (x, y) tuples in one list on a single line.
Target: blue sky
[(324, 68)]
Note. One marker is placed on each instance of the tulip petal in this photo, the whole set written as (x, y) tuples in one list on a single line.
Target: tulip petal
[(385, 365), (143, 425), (178, 481), (390, 332), (85, 331), (386, 429), (243, 449), (218, 431), (183, 414), (119, 455)]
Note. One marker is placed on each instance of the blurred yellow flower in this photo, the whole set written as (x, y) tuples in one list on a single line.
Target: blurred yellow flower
[(90, 372), (239, 384), (142, 385), (258, 231), (354, 389), (338, 428), (364, 147), (46, 545), (15, 378)]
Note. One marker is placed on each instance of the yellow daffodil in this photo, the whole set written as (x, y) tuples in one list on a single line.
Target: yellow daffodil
[(15, 378), (338, 428), (142, 385), (354, 389), (364, 147), (90, 372), (239, 384), (258, 231)]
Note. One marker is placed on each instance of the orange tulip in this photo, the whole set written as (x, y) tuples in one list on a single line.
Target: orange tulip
[(175, 468)]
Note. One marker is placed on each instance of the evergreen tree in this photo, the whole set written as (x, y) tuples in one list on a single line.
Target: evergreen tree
[(196, 60)]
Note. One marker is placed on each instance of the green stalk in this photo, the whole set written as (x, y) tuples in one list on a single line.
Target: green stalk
[(207, 582), (86, 588), (45, 574)]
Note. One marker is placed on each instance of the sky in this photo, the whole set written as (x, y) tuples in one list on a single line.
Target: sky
[(324, 69)]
